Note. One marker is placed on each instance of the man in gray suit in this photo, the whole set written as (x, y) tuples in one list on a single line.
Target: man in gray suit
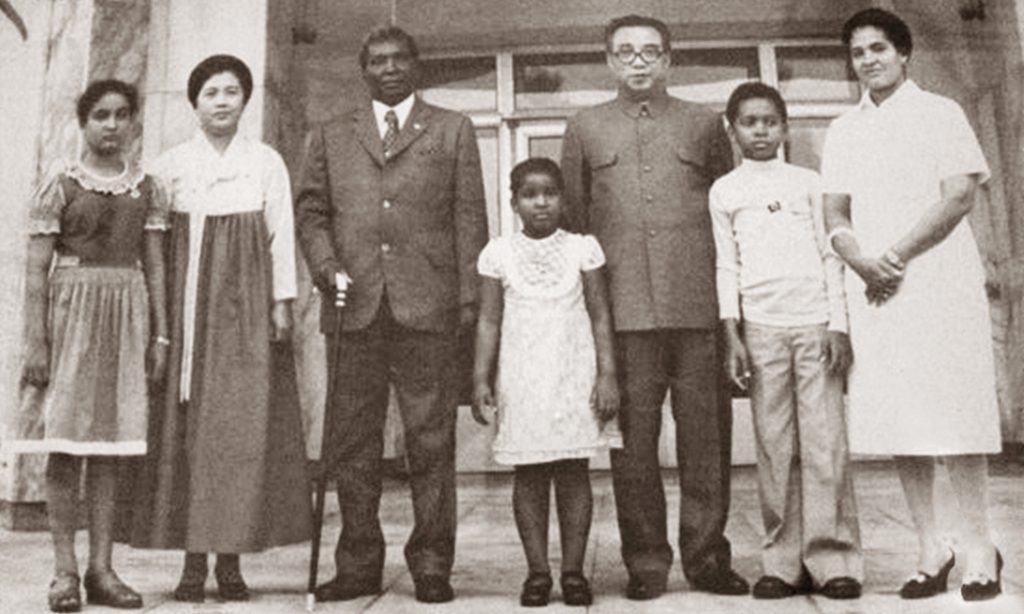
[(637, 174), (390, 197)]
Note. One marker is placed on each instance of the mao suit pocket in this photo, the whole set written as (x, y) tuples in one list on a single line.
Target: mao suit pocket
[(603, 160)]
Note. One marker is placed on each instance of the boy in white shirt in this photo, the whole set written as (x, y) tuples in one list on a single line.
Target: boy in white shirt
[(782, 304)]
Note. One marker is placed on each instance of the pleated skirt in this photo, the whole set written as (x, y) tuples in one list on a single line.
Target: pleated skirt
[(226, 470), (95, 402)]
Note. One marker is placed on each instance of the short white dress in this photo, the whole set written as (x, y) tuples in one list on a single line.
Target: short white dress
[(923, 376), (547, 364)]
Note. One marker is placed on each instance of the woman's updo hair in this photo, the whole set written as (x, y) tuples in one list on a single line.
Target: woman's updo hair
[(99, 89), (214, 65), (544, 166), (895, 29)]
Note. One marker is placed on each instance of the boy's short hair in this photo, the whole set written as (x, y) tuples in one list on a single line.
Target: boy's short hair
[(99, 89), (894, 28), (628, 21), (387, 33), (545, 166), (750, 91)]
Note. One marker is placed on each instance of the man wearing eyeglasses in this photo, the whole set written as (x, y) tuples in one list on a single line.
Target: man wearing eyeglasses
[(637, 173)]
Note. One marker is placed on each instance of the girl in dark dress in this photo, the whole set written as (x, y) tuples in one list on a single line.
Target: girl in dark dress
[(94, 316)]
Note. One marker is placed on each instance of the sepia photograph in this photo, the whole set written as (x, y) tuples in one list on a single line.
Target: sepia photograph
[(468, 306)]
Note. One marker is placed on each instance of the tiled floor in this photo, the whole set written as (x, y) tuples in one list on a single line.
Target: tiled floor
[(489, 564)]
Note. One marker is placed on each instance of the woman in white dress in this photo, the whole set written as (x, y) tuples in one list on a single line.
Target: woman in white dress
[(900, 172)]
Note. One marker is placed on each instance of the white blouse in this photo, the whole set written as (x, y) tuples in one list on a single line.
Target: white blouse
[(248, 176), (770, 248)]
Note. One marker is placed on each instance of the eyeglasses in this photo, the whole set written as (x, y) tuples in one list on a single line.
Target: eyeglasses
[(649, 54)]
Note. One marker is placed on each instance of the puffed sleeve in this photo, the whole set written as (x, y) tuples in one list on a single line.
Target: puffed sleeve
[(158, 212), (47, 205), (957, 151), (488, 263), (593, 255)]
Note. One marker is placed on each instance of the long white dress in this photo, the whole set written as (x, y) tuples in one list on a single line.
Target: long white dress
[(547, 362), (923, 378)]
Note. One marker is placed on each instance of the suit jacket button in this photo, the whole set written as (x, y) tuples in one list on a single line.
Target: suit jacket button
[(385, 247), (387, 204), (652, 232)]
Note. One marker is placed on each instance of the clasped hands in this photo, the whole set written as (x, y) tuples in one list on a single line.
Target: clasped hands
[(883, 276)]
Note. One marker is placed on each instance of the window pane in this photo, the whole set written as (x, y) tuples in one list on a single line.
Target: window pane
[(806, 138), (815, 74), (583, 79), (710, 75), (560, 80), (465, 84), (546, 147), (487, 141)]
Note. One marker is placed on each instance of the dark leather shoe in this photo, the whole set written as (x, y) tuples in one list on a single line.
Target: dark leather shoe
[(536, 590), (843, 587), (924, 585), (980, 591), (64, 595), (774, 587), (231, 586), (190, 590), (576, 589), (721, 582), (345, 589), (433, 589), (111, 592), (643, 587)]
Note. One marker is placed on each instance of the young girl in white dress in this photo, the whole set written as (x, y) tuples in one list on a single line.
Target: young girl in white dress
[(543, 294)]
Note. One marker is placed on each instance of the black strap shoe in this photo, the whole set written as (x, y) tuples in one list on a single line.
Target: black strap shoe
[(110, 591), (536, 590), (64, 595), (576, 589), (981, 591), (923, 585), (231, 586)]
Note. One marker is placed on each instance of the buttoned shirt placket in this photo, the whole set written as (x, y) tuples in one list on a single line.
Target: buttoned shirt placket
[(644, 130)]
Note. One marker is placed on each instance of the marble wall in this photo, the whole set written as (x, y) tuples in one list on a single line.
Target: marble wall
[(57, 52), (21, 122)]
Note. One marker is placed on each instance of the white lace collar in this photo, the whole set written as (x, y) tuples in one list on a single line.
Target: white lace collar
[(127, 181)]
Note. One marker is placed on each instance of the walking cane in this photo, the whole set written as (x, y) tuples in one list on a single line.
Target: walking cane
[(326, 437)]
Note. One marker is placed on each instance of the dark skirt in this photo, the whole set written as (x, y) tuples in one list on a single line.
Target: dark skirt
[(226, 470)]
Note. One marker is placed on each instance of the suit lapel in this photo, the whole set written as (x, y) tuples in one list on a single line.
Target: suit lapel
[(415, 125), (364, 125)]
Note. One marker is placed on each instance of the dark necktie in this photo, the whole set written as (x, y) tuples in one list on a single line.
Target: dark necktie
[(391, 135)]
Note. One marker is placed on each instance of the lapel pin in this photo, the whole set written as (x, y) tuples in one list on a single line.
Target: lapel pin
[(774, 206)]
